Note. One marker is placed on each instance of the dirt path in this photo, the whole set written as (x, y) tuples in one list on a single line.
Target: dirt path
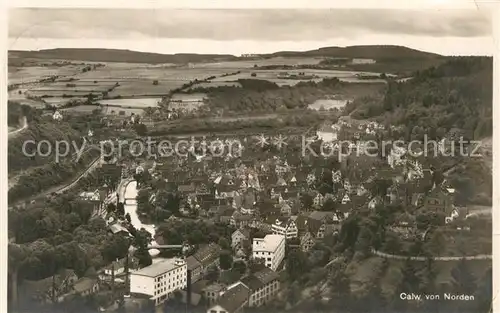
[(421, 258), (13, 133)]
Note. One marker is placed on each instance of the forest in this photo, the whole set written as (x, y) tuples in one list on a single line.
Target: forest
[(454, 95)]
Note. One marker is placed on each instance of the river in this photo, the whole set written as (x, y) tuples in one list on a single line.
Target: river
[(131, 209)]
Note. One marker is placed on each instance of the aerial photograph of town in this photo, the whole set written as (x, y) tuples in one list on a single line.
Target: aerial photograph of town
[(245, 161)]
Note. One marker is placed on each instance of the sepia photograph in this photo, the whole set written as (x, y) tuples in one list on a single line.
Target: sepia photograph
[(249, 160)]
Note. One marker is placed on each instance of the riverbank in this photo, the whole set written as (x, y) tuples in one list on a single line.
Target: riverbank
[(130, 193)]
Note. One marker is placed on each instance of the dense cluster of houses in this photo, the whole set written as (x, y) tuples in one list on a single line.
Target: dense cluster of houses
[(281, 197)]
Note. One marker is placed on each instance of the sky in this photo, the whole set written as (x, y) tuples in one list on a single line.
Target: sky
[(238, 31)]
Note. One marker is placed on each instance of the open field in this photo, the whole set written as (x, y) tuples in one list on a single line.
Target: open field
[(123, 111), (327, 104), (81, 109), (148, 72), (188, 97), (62, 93), (261, 62), (143, 87), (27, 74), (134, 103), (137, 80), (57, 101), (273, 76), (215, 84)]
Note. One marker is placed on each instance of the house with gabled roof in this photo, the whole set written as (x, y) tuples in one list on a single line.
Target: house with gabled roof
[(318, 200), (233, 300), (346, 199), (317, 221), (286, 227), (240, 220), (264, 286), (238, 236)]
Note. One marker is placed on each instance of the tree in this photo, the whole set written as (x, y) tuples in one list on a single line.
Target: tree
[(294, 293), (296, 264), (111, 207), (339, 283), (212, 273), (143, 257), (392, 243), (364, 242), (17, 257), (226, 260), (128, 218), (141, 129), (329, 205), (120, 209), (116, 247), (240, 267), (379, 187), (463, 280), (224, 244), (436, 243), (410, 281), (307, 200)]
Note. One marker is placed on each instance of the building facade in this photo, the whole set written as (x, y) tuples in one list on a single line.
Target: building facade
[(285, 227), (159, 280), (271, 249), (264, 286)]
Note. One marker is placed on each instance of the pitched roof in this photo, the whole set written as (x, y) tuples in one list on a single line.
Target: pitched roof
[(192, 263), (266, 275), (186, 188), (234, 298), (116, 228), (252, 282), (244, 231), (84, 284), (158, 268), (207, 254)]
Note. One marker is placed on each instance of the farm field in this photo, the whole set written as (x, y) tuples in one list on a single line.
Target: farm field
[(136, 80), (250, 63), (61, 93), (87, 109), (56, 101), (188, 97), (122, 111), (148, 72), (27, 74), (138, 87), (215, 84), (272, 75), (327, 104), (135, 103)]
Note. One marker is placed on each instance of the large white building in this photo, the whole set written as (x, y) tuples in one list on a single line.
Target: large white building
[(270, 248), (160, 279)]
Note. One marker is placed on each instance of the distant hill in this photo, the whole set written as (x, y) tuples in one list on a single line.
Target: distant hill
[(365, 52), (379, 53), (116, 55)]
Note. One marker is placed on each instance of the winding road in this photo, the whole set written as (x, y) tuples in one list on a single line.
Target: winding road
[(13, 133), (421, 258)]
